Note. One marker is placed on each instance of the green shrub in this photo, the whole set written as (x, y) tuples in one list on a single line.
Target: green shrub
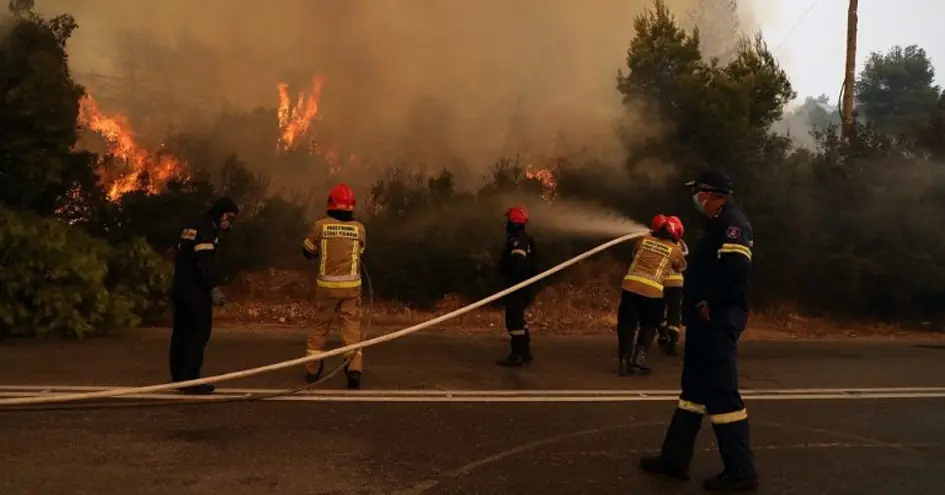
[(55, 279), (140, 279)]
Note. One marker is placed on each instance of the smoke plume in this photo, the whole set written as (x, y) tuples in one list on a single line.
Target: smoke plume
[(407, 80)]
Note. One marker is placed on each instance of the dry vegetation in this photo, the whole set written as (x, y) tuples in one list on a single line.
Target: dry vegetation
[(583, 302)]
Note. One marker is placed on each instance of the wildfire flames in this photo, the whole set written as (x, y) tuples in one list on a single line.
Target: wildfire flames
[(547, 179), (294, 120), (296, 129), (121, 144)]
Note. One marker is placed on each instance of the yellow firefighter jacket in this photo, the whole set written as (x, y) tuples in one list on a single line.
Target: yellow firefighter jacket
[(653, 260), (337, 246), (675, 279)]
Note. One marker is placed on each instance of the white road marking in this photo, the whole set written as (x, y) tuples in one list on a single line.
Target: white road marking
[(495, 392), (493, 396)]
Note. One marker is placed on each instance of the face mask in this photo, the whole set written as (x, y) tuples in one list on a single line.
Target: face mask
[(699, 205), (225, 223)]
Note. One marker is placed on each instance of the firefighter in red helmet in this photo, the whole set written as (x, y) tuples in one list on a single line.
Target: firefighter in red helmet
[(337, 242), (641, 298), (516, 264), (672, 296)]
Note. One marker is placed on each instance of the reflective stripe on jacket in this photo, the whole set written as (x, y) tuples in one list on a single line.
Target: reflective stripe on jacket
[(338, 246), (653, 260)]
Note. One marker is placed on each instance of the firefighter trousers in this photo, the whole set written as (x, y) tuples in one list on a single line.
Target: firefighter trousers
[(672, 298), (710, 386), (636, 311), (193, 319), (515, 323), (341, 314)]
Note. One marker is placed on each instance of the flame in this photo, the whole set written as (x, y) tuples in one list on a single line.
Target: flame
[(549, 185), (294, 120), (121, 144)]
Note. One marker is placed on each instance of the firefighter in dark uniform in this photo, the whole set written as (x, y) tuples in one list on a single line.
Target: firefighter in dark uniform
[(715, 312), (517, 264), (195, 292), (672, 296), (641, 297)]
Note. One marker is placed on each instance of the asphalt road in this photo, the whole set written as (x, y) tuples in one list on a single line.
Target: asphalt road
[(890, 445)]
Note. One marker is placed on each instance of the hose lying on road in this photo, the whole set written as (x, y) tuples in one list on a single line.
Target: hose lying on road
[(315, 357), (217, 399)]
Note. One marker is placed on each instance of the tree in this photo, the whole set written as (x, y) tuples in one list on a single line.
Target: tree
[(39, 104), (932, 134), (819, 113), (720, 114), (895, 90)]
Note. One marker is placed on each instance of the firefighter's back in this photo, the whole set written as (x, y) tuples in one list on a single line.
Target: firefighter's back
[(650, 267), (340, 245)]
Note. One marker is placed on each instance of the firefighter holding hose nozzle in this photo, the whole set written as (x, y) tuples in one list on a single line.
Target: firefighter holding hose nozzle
[(641, 298), (672, 297), (336, 243), (517, 264)]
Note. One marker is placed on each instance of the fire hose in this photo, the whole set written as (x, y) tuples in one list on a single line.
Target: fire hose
[(315, 357), (217, 400)]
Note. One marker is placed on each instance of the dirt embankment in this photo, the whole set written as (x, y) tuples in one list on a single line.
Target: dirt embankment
[(583, 302)]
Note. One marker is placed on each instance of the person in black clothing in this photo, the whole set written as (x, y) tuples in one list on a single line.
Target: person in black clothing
[(516, 265), (715, 312), (195, 292)]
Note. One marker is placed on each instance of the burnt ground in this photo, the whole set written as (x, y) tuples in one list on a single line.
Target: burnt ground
[(884, 445)]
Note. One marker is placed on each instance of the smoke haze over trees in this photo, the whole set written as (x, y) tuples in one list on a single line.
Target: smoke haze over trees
[(436, 132), (443, 81)]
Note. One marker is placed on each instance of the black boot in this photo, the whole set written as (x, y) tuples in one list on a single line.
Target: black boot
[(526, 347), (354, 379), (513, 360), (656, 465), (638, 362), (623, 365), (624, 345), (663, 332), (724, 483), (313, 377), (672, 339), (516, 356), (205, 389)]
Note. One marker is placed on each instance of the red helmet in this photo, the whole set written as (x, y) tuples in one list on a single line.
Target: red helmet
[(517, 215), (658, 222), (341, 198), (680, 231)]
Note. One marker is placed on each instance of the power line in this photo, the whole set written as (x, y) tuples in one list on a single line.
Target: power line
[(797, 25)]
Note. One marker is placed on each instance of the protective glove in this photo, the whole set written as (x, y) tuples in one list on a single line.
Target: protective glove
[(216, 295)]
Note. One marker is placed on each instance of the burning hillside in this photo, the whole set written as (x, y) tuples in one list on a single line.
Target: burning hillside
[(298, 122), (301, 130), (136, 168)]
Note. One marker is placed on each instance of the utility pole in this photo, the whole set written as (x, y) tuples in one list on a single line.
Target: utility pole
[(846, 131)]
